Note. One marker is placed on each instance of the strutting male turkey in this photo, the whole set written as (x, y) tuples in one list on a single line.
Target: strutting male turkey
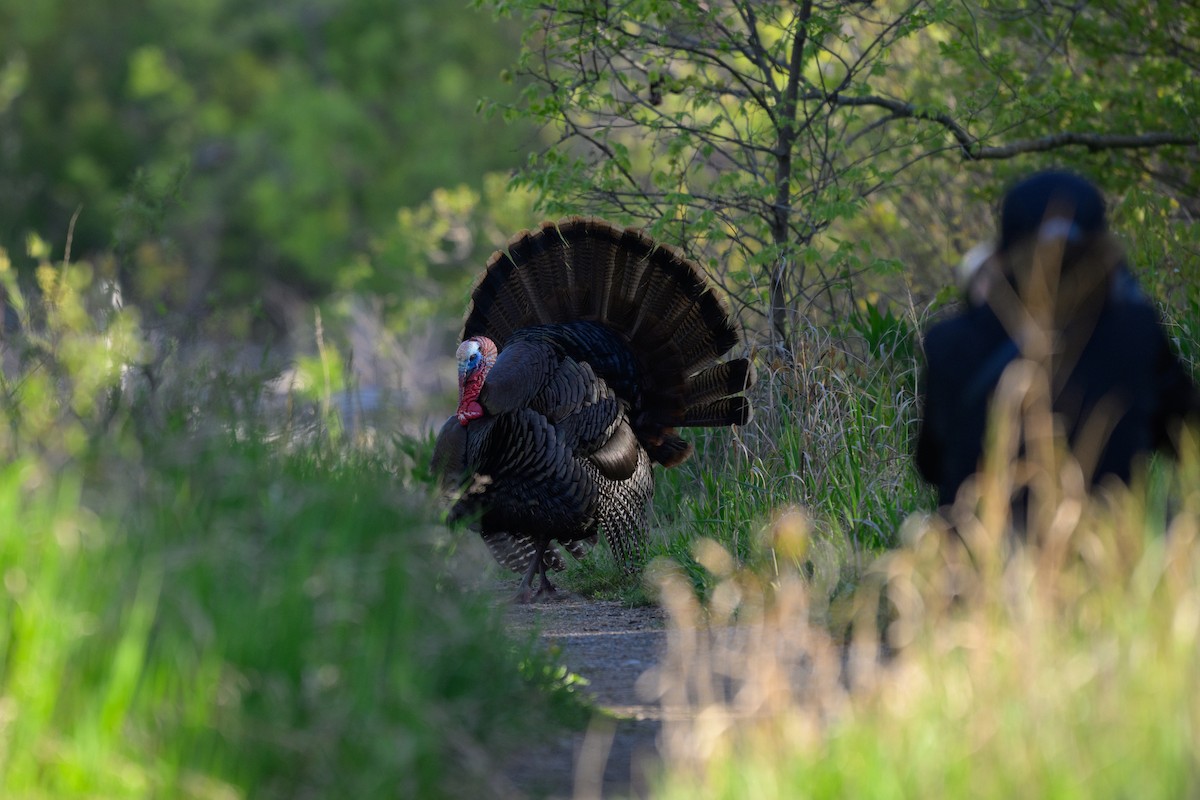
[(585, 347)]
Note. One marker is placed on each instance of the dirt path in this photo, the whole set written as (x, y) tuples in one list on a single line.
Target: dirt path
[(611, 646)]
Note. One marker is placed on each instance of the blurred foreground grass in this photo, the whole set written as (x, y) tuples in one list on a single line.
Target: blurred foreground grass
[(1066, 664), (192, 606), (197, 601)]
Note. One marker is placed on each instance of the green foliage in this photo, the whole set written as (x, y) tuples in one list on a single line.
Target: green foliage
[(765, 137), (248, 619), (434, 252), (194, 605), (200, 599), (62, 378), (225, 147)]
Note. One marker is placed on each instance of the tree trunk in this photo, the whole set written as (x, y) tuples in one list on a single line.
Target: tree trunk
[(784, 145)]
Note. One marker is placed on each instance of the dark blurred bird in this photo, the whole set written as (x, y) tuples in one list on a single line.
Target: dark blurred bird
[(585, 348)]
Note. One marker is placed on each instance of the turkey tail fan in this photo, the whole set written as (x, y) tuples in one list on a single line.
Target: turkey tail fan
[(660, 304), (666, 447), (586, 269), (726, 411), (723, 380)]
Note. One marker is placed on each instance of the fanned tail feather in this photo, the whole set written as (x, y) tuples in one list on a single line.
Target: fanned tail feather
[(718, 413), (659, 303), (724, 379)]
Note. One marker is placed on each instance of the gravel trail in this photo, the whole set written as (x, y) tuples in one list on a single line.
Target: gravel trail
[(611, 646)]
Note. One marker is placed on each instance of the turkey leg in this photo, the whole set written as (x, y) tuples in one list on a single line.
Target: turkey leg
[(525, 593)]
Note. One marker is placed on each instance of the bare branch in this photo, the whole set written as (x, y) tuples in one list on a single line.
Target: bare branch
[(1092, 141), (972, 149), (900, 110)]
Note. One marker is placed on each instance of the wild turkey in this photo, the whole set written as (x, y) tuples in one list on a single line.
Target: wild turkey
[(585, 347)]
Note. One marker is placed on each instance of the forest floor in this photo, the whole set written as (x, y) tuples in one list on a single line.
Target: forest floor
[(611, 646)]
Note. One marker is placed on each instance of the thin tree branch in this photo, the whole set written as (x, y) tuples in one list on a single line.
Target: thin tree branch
[(1092, 141), (972, 149)]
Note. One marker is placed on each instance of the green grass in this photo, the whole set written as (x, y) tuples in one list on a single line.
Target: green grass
[(1076, 680), (193, 606), (202, 600), (249, 623), (1068, 668), (831, 434)]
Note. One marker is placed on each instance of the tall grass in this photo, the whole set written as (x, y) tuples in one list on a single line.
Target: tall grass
[(197, 601), (194, 606), (1066, 664), (831, 433)]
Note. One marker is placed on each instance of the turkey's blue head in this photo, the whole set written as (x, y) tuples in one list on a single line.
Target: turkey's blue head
[(475, 357)]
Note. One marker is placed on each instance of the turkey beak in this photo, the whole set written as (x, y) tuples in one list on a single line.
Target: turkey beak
[(470, 380), (463, 355)]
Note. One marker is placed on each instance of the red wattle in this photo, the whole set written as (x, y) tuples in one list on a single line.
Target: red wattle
[(468, 411)]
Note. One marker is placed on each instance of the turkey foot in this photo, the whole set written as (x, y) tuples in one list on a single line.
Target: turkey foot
[(545, 590), (544, 594)]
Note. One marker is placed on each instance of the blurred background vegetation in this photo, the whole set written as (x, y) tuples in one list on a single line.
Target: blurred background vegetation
[(224, 158), (236, 240)]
